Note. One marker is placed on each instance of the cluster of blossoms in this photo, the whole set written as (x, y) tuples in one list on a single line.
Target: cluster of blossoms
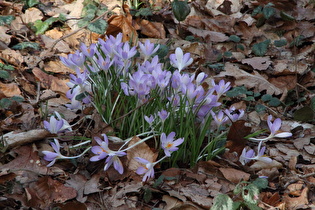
[(248, 155), (146, 81)]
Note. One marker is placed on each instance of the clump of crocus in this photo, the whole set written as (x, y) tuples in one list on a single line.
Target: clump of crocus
[(275, 132)]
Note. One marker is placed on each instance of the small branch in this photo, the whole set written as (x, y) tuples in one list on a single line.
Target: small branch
[(79, 29)]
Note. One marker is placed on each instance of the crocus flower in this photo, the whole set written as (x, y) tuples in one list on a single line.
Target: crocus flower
[(147, 169), (148, 48), (275, 128), (180, 60), (163, 114), (112, 157), (219, 118), (57, 125), (249, 155), (168, 144), (233, 115), (53, 156), (149, 119), (221, 88)]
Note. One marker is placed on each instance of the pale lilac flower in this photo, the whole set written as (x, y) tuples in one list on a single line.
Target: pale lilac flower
[(200, 78), (179, 60), (148, 48), (79, 78), (275, 128), (221, 88), (57, 124), (168, 144), (74, 61), (149, 119), (163, 114), (125, 52), (195, 94), (147, 169), (147, 66), (249, 155), (112, 157), (53, 156), (233, 115), (219, 118), (88, 51)]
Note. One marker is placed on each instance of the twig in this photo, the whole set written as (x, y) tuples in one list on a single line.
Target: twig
[(79, 29)]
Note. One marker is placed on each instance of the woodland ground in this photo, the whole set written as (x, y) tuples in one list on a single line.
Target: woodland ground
[(265, 46)]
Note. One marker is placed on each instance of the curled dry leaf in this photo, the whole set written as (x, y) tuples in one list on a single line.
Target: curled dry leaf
[(234, 175), (151, 29), (142, 150)]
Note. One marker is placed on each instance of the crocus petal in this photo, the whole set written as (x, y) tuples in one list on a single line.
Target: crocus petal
[(283, 135)]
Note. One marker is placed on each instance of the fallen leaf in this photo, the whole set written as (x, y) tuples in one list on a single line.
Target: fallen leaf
[(235, 138), (254, 80), (31, 15), (259, 63), (58, 67), (151, 29), (10, 89), (141, 150), (234, 175)]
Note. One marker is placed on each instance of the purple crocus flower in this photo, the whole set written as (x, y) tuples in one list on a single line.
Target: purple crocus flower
[(179, 60), (221, 88), (57, 124), (168, 144), (53, 156), (148, 48), (233, 115), (112, 157), (163, 114), (147, 169), (88, 51), (275, 128), (149, 119), (219, 118), (249, 155), (74, 61)]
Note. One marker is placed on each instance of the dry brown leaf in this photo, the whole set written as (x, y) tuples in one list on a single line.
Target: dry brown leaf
[(197, 195), (10, 89), (287, 66), (12, 56), (212, 35), (58, 67), (296, 201), (4, 37), (61, 46), (171, 202), (234, 175), (122, 23), (285, 83), (258, 165), (51, 82), (31, 15), (142, 150), (151, 29), (255, 80), (259, 63)]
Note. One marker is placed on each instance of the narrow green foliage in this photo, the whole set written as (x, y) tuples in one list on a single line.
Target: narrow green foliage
[(6, 19), (260, 49), (298, 41), (181, 9)]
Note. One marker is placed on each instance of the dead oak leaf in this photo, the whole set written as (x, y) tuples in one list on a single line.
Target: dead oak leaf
[(254, 80), (141, 150), (234, 175), (259, 63)]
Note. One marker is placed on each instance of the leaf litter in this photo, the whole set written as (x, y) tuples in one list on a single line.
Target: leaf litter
[(211, 25)]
